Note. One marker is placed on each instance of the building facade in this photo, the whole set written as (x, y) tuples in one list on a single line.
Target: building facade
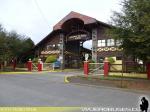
[(67, 38)]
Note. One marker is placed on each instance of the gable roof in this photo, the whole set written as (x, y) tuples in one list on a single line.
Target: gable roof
[(57, 28), (72, 14)]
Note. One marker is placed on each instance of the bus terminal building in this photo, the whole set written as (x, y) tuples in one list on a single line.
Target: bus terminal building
[(67, 38)]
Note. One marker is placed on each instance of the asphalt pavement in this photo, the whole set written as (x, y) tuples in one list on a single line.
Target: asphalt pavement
[(49, 89)]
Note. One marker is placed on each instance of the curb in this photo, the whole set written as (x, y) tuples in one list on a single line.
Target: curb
[(113, 88)]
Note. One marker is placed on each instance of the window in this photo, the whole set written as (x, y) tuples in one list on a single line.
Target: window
[(118, 42), (58, 45), (101, 43), (51, 46), (81, 44), (118, 58), (101, 59), (48, 47), (110, 42)]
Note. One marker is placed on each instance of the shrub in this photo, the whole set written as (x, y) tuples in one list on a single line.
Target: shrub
[(35, 60), (51, 59), (111, 60), (91, 61)]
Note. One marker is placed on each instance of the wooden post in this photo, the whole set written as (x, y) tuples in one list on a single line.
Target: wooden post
[(62, 49), (94, 45)]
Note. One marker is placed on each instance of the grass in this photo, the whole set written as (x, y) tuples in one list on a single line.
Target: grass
[(129, 75)]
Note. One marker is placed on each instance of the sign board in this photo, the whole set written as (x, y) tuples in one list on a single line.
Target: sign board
[(86, 57), (77, 37)]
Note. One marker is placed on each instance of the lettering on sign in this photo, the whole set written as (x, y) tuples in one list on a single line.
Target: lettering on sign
[(77, 37)]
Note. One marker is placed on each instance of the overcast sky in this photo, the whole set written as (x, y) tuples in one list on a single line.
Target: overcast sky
[(36, 18)]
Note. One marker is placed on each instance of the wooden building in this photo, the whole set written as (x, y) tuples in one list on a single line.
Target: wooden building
[(67, 38)]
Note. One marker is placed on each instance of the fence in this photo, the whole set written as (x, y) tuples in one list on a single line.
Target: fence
[(96, 68), (45, 66), (134, 67), (128, 67), (34, 66)]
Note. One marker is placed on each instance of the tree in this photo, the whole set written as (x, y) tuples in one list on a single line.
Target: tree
[(13, 45), (4, 49), (132, 26)]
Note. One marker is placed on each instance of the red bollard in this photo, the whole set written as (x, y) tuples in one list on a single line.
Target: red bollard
[(148, 70), (106, 67), (29, 65), (86, 68), (14, 64), (39, 67)]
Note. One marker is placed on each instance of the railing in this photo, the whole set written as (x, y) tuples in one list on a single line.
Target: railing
[(35, 66), (134, 67), (96, 68), (128, 67), (115, 67), (46, 66)]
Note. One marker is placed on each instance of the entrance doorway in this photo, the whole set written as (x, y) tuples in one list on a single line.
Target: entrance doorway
[(74, 55), (75, 35)]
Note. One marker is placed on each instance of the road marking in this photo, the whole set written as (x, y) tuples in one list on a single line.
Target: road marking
[(15, 72), (66, 79)]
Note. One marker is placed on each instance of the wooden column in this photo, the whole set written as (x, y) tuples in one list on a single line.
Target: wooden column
[(94, 45), (62, 49)]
